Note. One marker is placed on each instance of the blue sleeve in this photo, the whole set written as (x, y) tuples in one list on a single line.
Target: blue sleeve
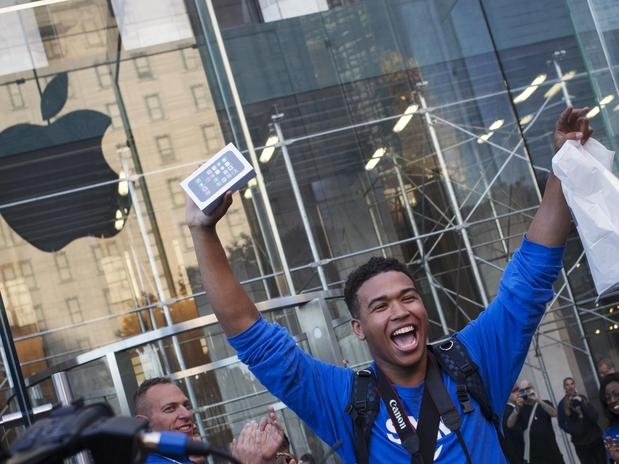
[(498, 340), (317, 392)]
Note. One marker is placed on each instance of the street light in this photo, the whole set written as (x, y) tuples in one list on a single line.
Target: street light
[(556, 88), (526, 119), (485, 137), (373, 161), (405, 118), (269, 149), (253, 183), (526, 93), (496, 125), (123, 185)]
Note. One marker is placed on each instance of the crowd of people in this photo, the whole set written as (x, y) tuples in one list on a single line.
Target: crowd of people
[(418, 397), (529, 433)]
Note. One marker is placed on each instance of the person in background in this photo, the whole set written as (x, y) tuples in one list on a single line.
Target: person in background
[(578, 418), (514, 441), (166, 407), (534, 416), (604, 367), (609, 397)]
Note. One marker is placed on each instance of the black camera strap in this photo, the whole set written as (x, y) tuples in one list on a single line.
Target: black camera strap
[(435, 403), (420, 445)]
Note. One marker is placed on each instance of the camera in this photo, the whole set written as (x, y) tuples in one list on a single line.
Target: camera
[(574, 403), (524, 395)]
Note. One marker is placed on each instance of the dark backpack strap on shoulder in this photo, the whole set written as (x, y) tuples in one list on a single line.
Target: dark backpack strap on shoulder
[(363, 407), (454, 358)]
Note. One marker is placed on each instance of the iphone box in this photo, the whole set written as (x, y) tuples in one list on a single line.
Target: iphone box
[(226, 170)]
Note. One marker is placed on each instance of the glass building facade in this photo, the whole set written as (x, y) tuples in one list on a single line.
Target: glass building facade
[(420, 129)]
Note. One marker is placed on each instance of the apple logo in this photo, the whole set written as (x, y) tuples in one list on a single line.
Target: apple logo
[(56, 184)]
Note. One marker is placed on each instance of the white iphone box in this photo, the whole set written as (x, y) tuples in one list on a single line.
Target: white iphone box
[(226, 170)]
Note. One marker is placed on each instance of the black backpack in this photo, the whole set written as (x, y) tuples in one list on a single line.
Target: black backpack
[(454, 360)]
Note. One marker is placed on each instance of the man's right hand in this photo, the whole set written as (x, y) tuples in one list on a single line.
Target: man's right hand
[(197, 219)]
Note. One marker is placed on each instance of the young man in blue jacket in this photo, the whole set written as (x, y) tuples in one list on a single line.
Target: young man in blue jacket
[(389, 314)]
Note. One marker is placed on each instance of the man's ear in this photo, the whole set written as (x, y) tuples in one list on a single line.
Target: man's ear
[(357, 329)]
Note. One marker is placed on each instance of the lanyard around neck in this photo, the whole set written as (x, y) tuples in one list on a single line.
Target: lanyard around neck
[(435, 403), (419, 444)]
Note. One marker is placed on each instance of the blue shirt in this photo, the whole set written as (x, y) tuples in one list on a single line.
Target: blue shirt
[(498, 341)]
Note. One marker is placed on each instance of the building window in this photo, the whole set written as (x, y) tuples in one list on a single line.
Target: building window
[(154, 108), (210, 134), (62, 266), (75, 310), (27, 273), (104, 76), (185, 234), (190, 59), (40, 316), (114, 113), (83, 343), (15, 96), (8, 272), (142, 67), (97, 254), (111, 249), (201, 99), (53, 49), (164, 146), (176, 192), (92, 33), (108, 297)]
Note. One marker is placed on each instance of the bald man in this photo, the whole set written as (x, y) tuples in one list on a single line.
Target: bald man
[(166, 407)]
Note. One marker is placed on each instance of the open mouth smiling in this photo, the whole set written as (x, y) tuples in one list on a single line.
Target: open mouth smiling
[(186, 429), (405, 338)]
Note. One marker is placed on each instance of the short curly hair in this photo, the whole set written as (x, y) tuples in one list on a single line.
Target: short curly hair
[(376, 265)]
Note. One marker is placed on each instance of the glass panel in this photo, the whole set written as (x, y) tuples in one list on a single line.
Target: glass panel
[(597, 28), (413, 128)]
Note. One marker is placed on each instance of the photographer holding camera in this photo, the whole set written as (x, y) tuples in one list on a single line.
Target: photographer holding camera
[(533, 415), (578, 418)]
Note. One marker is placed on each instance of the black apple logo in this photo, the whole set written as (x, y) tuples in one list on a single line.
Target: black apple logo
[(47, 174)]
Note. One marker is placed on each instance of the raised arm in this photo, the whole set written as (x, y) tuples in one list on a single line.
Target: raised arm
[(231, 304), (552, 222)]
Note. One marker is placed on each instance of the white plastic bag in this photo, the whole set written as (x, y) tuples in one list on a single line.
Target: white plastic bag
[(592, 193)]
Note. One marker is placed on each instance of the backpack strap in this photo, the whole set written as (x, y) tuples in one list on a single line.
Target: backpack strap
[(444, 405), (362, 409), (454, 358)]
